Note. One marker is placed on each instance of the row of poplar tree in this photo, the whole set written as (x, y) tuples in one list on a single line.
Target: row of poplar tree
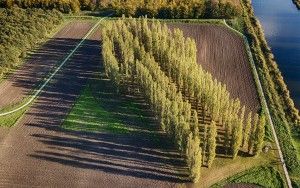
[(194, 109)]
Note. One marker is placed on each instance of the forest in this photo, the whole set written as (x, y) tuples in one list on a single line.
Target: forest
[(173, 9), (152, 8), (65, 6), (194, 109), (21, 30)]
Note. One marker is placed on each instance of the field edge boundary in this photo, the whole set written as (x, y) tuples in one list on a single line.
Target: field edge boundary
[(262, 100)]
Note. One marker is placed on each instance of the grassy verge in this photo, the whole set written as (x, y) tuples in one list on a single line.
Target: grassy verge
[(224, 168), (11, 119), (264, 176), (296, 136)]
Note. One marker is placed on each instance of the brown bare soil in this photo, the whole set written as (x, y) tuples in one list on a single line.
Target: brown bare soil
[(19, 85), (37, 152), (222, 53)]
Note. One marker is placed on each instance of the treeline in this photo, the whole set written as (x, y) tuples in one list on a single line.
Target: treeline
[(20, 30), (175, 8), (152, 8), (65, 6), (194, 109), (282, 109)]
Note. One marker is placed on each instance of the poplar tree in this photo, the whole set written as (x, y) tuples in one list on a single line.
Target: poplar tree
[(247, 129), (237, 137), (194, 157), (260, 135), (212, 143), (204, 143), (252, 134), (195, 124)]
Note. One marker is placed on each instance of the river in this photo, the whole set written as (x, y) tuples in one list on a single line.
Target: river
[(281, 23)]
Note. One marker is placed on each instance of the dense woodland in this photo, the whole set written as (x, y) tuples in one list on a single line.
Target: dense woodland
[(175, 8), (65, 6), (20, 30), (151, 8), (194, 109)]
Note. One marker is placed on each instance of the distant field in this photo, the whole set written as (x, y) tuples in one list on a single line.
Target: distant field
[(222, 53)]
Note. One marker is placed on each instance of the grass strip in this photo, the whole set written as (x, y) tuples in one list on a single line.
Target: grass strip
[(264, 176)]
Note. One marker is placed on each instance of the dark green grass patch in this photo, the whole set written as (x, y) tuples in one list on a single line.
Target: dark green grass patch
[(89, 115), (100, 108)]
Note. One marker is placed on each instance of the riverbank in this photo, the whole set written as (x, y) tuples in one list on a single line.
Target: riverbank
[(297, 3), (284, 114)]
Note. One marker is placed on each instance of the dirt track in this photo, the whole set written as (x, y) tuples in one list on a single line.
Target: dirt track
[(38, 153), (222, 53)]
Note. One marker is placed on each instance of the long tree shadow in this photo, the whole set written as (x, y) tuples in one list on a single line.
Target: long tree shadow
[(38, 65), (145, 152)]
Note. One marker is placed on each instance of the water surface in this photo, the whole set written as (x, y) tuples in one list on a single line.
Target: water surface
[(281, 22)]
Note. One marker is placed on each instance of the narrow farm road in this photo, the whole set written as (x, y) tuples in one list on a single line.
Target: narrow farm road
[(37, 152)]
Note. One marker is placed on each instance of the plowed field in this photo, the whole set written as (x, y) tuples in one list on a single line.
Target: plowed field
[(222, 53)]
